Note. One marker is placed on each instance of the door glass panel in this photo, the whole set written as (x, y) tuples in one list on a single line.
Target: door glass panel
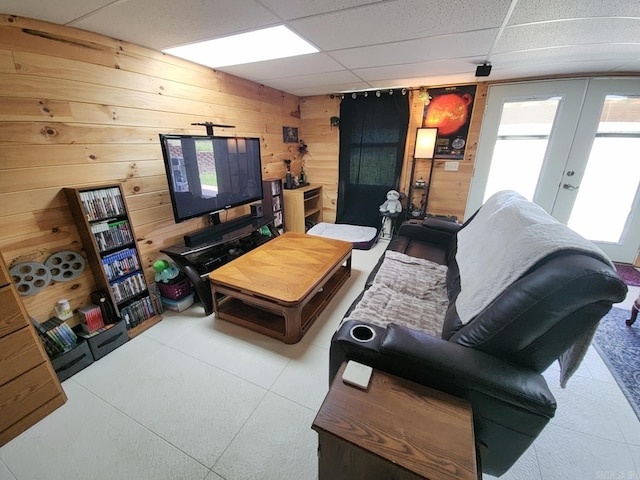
[(610, 184), (521, 145)]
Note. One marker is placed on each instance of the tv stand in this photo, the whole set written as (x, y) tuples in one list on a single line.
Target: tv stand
[(203, 251)]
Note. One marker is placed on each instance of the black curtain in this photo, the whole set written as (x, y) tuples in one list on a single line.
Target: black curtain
[(373, 132)]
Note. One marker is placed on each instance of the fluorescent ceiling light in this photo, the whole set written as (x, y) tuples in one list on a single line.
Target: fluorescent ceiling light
[(256, 46)]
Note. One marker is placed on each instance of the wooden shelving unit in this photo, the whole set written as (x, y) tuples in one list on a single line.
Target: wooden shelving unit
[(418, 197), (103, 221), (302, 208), (273, 203), (29, 387)]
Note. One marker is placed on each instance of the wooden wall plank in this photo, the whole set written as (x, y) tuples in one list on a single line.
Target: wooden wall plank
[(13, 156), (80, 109), (43, 177), (321, 163), (7, 64), (20, 109), (26, 201)]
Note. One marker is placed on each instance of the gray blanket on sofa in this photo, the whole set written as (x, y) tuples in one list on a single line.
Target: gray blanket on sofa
[(407, 291)]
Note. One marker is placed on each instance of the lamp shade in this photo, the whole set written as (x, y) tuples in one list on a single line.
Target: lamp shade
[(425, 143)]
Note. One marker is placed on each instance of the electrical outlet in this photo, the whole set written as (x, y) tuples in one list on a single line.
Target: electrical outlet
[(451, 166)]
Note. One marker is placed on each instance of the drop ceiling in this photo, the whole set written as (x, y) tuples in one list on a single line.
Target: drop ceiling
[(367, 45)]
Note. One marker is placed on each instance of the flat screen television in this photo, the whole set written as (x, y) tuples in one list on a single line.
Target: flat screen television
[(207, 174)]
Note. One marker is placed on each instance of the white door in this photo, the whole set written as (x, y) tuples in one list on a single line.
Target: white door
[(573, 147)]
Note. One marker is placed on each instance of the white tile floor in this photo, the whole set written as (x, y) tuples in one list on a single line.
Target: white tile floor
[(198, 399)]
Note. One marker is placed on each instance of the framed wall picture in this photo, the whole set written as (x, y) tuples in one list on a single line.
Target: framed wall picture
[(289, 134), (450, 109)]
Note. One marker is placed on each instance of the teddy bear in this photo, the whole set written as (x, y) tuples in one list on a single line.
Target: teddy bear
[(392, 204)]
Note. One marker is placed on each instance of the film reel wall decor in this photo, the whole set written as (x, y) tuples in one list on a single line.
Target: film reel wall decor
[(32, 277), (65, 266)]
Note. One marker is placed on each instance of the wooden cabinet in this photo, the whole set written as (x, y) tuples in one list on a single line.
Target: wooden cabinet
[(272, 202), (302, 208), (394, 429), (29, 387), (104, 225)]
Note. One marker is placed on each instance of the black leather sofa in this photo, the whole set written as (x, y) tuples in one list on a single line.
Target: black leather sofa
[(495, 360)]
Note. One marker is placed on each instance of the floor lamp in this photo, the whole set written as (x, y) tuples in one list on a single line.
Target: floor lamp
[(424, 150)]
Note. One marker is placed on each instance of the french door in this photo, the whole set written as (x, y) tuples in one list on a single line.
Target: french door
[(573, 147)]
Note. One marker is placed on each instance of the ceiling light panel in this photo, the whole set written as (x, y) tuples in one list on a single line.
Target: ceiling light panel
[(250, 47)]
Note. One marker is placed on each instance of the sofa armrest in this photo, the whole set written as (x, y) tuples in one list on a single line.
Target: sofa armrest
[(453, 366), (511, 404), (445, 366), (430, 230)]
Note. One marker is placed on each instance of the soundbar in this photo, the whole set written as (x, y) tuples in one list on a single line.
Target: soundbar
[(216, 231)]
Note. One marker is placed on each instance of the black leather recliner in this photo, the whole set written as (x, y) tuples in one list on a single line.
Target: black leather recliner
[(495, 361)]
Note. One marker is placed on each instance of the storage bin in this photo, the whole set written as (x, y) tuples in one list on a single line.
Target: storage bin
[(178, 305), (176, 289), (69, 363), (109, 340)]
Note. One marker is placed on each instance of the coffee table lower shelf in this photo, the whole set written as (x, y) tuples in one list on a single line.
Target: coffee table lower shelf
[(285, 322)]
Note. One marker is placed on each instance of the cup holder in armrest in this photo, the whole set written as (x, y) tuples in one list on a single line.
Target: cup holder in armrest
[(362, 333)]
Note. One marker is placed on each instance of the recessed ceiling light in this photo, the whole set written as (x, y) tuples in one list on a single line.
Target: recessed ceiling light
[(256, 46)]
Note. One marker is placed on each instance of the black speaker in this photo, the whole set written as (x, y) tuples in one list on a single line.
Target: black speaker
[(256, 211), (483, 70), (100, 298)]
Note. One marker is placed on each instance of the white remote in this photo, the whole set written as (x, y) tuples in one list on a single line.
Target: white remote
[(357, 374)]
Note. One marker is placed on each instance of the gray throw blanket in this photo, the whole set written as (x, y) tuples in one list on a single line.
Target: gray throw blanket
[(407, 291)]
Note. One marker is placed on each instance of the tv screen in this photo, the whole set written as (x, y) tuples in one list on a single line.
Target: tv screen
[(210, 173)]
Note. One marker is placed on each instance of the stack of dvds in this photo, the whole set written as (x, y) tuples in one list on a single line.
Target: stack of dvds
[(56, 336), (102, 203), (90, 318)]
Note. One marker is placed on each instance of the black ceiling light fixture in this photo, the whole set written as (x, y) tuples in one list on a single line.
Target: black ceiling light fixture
[(483, 70)]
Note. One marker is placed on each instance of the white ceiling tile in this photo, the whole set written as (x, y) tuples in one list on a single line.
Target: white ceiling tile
[(320, 79), (412, 51), (287, 9), (549, 68), (396, 21), (286, 67), (574, 53), (428, 81), (164, 23), (330, 89), (435, 68), (528, 11), (60, 11), (570, 32)]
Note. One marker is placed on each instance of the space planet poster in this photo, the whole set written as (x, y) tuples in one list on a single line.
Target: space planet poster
[(449, 109)]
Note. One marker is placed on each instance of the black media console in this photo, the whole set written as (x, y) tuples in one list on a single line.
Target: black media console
[(210, 248)]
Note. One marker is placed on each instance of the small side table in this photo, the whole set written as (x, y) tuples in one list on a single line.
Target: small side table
[(395, 429)]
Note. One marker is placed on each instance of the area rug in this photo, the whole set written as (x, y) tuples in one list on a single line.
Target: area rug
[(628, 273), (619, 347)]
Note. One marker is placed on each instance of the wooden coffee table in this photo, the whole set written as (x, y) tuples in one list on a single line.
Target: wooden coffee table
[(281, 287)]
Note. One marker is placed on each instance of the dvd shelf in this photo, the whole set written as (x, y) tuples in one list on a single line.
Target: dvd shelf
[(111, 234), (121, 263), (272, 203), (104, 225)]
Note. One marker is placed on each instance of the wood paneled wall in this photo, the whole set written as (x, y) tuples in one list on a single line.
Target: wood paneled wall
[(323, 140), (449, 189), (79, 109)]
